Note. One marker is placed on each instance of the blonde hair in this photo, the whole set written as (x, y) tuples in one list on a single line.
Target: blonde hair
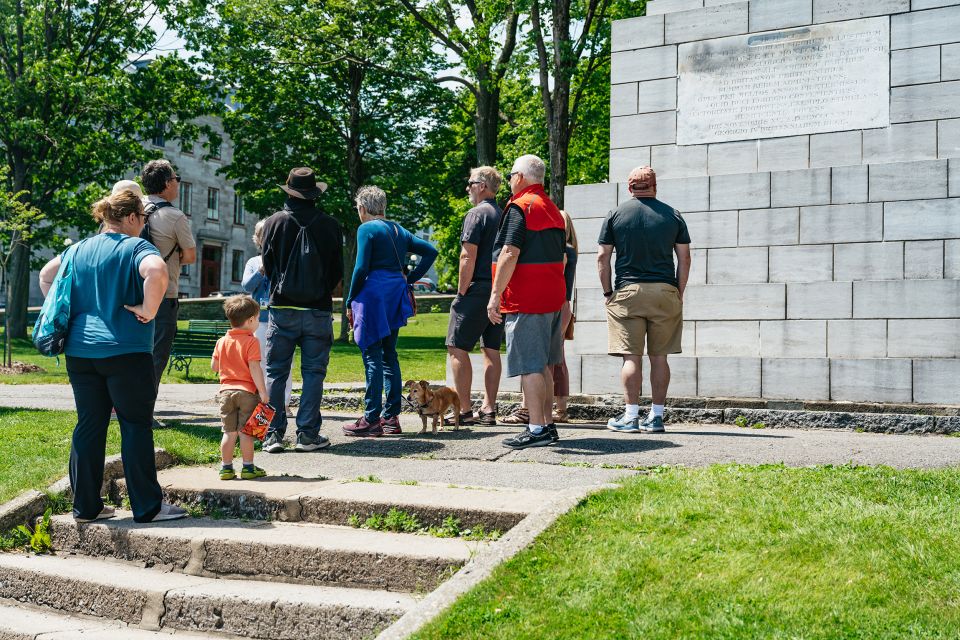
[(489, 176), (571, 231), (239, 309), (258, 234), (117, 206)]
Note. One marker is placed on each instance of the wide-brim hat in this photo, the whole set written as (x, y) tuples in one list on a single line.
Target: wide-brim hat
[(302, 183)]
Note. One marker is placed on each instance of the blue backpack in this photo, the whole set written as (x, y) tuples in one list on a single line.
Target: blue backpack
[(50, 330)]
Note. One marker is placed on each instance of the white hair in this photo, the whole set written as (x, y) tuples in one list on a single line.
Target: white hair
[(373, 199), (258, 233), (532, 168)]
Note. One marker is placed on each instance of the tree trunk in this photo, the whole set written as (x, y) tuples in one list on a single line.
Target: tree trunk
[(18, 290), (354, 180), (559, 141), (486, 122)]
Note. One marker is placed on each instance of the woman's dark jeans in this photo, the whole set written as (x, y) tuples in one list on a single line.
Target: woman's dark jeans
[(126, 383), (382, 368)]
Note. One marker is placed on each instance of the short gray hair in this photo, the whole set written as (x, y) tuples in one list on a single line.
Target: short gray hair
[(532, 168), (489, 176), (373, 199)]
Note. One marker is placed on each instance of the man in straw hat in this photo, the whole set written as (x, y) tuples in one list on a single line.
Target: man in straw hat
[(646, 305), (303, 259)]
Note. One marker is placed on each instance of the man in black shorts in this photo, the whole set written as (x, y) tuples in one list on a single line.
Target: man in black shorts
[(468, 313)]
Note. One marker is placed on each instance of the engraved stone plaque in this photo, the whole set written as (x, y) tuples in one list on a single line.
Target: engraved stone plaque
[(831, 77)]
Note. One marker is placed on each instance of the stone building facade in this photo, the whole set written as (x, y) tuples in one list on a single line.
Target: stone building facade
[(826, 264), (222, 228)]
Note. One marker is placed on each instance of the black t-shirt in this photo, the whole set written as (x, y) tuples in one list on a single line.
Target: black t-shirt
[(480, 228), (570, 271), (643, 232)]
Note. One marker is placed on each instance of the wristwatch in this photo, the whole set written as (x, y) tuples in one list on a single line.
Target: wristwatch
[(607, 294)]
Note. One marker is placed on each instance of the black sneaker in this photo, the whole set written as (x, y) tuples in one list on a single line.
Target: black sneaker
[(306, 443), (273, 443), (552, 430), (529, 439)]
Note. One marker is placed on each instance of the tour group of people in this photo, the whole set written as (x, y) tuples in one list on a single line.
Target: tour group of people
[(515, 283)]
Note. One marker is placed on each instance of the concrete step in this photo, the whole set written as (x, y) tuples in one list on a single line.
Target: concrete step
[(289, 552), (18, 622), (297, 499), (152, 599)]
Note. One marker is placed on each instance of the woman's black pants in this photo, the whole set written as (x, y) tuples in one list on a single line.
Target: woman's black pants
[(124, 383)]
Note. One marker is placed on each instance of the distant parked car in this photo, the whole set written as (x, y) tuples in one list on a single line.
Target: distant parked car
[(424, 286), (225, 294)]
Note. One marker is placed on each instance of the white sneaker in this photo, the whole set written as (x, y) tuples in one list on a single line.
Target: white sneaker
[(106, 512), (169, 512)]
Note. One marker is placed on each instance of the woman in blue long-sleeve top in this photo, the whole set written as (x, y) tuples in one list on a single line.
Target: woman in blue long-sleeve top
[(258, 286), (379, 304)]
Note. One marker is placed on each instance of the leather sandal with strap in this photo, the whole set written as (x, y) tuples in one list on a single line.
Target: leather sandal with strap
[(487, 419), (560, 416), (520, 416)]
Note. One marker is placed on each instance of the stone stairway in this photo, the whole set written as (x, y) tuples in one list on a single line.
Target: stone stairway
[(276, 560)]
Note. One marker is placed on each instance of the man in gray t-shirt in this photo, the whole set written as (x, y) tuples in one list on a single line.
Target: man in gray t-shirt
[(468, 313), (646, 306), (170, 233)]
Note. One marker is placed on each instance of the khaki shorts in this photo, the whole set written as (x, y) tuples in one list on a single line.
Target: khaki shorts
[(650, 310), (236, 407)]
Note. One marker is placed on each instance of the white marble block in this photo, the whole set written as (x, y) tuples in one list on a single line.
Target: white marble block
[(921, 338), (728, 338), (764, 227), (735, 302), (803, 263), (841, 223), (880, 380), (796, 378), (738, 265), (793, 338), (868, 261), (857, 338), (636, 33), (819, 300), (906, 299), (935, 381), (728, 377)]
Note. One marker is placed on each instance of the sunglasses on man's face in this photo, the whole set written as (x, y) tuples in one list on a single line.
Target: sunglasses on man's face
[(513, 173), (473, 182), (177, 177)]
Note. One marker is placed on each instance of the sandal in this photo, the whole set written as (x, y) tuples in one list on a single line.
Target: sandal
[(520, 416), (487, 419), (466, 419), (560, 416)]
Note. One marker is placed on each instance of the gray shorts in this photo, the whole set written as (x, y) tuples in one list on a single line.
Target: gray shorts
[(534, 341)]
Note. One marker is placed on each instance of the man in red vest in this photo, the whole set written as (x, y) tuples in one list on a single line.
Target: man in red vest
[(528, 293)]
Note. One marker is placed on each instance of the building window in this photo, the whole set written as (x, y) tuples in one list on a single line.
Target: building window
[(236, 271), (158, 135), (214, 150), (186, 148), (186, 197), (213, 204), (237, 209), (184, 271)]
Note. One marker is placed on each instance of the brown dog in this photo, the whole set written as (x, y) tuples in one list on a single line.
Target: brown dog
[(433, 402)]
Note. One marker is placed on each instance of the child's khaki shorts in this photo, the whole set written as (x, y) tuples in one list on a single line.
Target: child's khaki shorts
[(236, 407)]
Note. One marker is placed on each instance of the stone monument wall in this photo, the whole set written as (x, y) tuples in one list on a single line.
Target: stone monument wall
[(813, 147)]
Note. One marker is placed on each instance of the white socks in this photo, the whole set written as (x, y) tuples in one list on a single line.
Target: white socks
[(632, 411), (656, 410), (536, 429)]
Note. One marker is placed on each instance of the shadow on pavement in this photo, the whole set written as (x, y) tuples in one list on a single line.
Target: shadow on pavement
[(600, 446), (729, 434)]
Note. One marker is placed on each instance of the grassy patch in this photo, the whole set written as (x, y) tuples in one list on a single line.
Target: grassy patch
[(735, 552), (420, 346), (36, 447)]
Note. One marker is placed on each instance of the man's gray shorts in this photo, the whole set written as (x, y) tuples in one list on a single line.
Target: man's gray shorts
[(534, 341)]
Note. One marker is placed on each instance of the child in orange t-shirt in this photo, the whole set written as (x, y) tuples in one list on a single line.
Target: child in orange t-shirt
[(237, 359)]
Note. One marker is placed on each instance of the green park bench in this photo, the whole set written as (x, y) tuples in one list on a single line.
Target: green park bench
[(219, 327), (197, 341)]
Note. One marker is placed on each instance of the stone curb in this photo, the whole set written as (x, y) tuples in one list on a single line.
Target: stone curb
[(482, 566), (30, 505)]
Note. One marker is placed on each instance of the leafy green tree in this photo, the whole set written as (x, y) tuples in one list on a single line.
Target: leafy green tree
[(75, 103), (342, 86), (18, 220), (482, 35)]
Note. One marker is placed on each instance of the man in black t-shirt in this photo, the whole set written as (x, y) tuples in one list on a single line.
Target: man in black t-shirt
[(647, 303), (468, 313)]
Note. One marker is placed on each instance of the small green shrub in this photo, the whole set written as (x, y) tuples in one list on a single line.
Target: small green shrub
[(741, 421)]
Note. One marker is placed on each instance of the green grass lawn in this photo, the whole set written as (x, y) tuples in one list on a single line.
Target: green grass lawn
[(421, 348), (36, 447), (736, 552)]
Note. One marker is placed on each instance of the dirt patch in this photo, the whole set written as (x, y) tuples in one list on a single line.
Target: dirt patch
[(20, 367)]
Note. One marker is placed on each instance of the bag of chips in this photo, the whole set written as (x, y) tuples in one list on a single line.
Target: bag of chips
[(256, 425)]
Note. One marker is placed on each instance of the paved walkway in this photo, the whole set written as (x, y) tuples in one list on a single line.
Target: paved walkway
[(586, 454)]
